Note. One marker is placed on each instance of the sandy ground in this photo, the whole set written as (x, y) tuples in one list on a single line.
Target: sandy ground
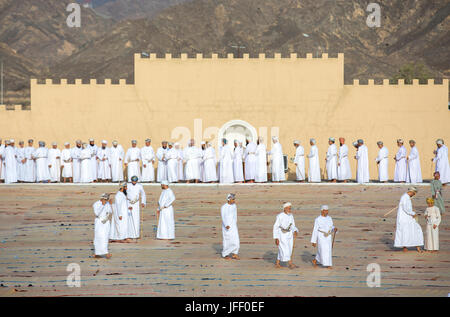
[(45, 228)]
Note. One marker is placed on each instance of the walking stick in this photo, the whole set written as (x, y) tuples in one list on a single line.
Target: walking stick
[(389, 211), (141, 224), (155, 226), (334, 235)]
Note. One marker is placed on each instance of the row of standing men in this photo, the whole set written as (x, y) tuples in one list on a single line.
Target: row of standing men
[(86, 162)]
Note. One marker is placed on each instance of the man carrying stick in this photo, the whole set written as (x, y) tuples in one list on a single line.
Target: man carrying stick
[(321, 237), (284, 233), (408, 232), (119, 221)]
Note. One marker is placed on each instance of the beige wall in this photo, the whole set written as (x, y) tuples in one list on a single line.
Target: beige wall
[(297, 98)]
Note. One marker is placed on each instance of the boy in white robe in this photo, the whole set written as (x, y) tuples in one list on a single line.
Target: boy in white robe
[(344, 170), (401, 170), (135, 193), (322, 237), (408, 232), (104, 165), (162, 162), (238, 168), (166, 221), (299, 161), (132, 161), (314, 165), (66, 161), (383, 163), (119, 220), (331, 161), (433, 217), (230, 232), (103, 214), (284, 233), (148, 159), (414, 174), (54, 163)]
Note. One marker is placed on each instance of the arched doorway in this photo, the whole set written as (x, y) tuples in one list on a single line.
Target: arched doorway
[(237, 130)]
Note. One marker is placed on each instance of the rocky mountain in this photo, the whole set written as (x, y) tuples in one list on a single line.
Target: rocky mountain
[(411, 32)]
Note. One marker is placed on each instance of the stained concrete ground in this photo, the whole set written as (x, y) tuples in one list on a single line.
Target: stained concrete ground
[(44, 228)]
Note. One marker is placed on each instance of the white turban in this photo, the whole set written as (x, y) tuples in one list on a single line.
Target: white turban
[(439, 141), (231, 196), (104, 142), (297, 142), (286, 205), (122, 185), (313, 141), (203, 143), (400, 141), (331, 139), (412, 189), (54, 143), (275, 138), (380, 142), (104, 196), (91, 140), (165, 183), (115, 142), (324, 207), (67, 143)]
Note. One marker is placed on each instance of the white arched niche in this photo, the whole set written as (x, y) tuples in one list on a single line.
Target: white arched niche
[(236, 130)]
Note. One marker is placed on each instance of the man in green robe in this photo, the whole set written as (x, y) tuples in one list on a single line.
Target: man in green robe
[(436, 192)]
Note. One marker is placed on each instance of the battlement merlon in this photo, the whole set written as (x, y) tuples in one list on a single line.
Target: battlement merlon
[(230, 56), (78, 82), (401, 82)]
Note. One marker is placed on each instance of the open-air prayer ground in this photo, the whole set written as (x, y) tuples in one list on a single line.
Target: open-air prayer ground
[(44, 228)]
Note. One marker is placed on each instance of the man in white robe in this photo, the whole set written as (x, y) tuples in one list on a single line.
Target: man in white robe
[(132, 161), (30, 164), (414, 171), (103, 214), (261, 161), (322, 237), (331, 161), (401, 170), (119, 220), (230, 232), (117, 155), (314, 165), (40, 155), (93, 148), (382, 162), (166, 221), (76, 161), (251, 162), (136, 199), (226, 163), (202, 167), (20, 155), (54, 163), (362, 156), (192, 156), (162, 162), (277, 161), (148, 159), (66, 161), (238, 168), (209, 159), (172, 164), (441, 161), (408, 232), (180, 162), (284, 233), (2, 162), (299, 161), (86, 164), (10, 162), (344, 170), (104, 163)]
